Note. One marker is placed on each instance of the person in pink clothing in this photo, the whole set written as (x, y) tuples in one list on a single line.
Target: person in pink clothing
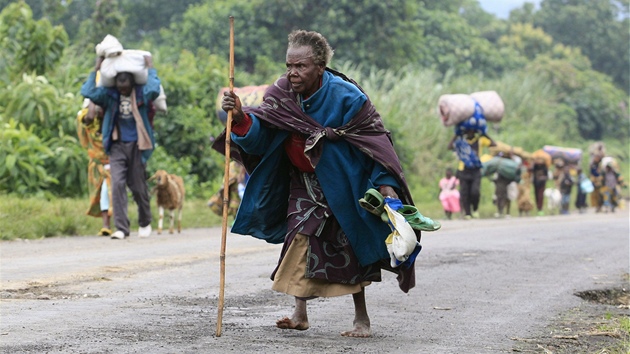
[(449, 194)]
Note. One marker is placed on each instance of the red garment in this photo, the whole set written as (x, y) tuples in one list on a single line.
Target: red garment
[(294, 145), (242, 128)]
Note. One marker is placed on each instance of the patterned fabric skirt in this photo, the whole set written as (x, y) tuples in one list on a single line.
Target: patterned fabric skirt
[(316, 258)]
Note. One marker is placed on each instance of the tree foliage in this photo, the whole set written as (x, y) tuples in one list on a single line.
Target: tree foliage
[(29, 45), (551, 67), (596, 28), (23, 157)]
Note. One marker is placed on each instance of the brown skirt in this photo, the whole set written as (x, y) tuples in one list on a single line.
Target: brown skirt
[(290, 276)]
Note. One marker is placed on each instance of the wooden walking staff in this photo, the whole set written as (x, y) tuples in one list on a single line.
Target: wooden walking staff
[(226, 185)]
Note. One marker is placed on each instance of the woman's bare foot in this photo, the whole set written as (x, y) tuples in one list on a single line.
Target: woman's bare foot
[(287, 323), (361, 330)]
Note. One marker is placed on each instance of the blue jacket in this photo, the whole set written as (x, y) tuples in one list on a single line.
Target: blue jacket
[(108, 98), (344, 172)]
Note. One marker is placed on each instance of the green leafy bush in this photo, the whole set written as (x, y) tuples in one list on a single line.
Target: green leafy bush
[(23, 157)]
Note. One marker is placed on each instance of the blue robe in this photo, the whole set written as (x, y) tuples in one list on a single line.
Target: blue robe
[(344, 172)]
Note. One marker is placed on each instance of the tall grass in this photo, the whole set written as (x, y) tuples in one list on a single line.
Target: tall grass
[(33, 218), (406, 100)]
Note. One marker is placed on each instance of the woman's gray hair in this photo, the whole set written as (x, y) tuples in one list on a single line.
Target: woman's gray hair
[(322, 52)]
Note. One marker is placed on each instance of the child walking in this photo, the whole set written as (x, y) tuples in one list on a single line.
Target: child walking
[(449, 194)]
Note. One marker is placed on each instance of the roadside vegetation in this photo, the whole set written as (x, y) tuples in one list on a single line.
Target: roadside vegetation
[(559, 88)]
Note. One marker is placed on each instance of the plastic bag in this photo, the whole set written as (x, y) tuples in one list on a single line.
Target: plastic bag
[(402, 242), (160, 101), (587, 186)]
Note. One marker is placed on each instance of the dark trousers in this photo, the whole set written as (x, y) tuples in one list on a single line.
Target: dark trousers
[(580, 201), (127, 170), (539, 193), (470, 189)]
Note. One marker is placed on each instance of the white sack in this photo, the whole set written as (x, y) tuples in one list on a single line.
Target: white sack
[(109, 47), (492, 104), (160, 102), (455, 108), (131, 61)]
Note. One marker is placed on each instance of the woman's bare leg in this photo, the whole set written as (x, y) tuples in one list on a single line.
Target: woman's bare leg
[(361, 319), (105, 217), (299, 320)]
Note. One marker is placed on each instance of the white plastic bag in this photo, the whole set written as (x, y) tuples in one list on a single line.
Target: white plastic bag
[(109, 47), (131, 61), (512, 191), (402, 241), (160, 102)]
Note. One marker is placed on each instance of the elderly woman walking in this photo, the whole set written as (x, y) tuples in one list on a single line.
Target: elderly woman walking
[(313, 148)]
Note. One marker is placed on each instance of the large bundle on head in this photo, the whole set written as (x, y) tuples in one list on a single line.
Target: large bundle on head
[(491, 104), (540, 156), (131, 61), (504, 148), (118, 60), (597, 150), (455, 108), (470, 112), (251, 96), (570, 156)]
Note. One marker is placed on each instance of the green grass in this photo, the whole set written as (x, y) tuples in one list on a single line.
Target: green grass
[(617, 325), (33, 218)]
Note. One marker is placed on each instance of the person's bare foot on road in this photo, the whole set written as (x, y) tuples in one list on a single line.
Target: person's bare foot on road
[(287, 323), (361, 330)]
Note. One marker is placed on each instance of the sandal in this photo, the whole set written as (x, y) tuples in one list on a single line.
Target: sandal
[(105, 232), (418, 221), (373, 202)]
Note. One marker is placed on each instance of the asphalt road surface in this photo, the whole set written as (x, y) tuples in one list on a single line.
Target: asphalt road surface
[(480, 285)]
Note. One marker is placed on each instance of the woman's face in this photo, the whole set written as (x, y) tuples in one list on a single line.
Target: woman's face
[(303, 73)]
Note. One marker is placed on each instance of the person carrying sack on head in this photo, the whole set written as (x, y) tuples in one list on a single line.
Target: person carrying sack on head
[(128, 140)]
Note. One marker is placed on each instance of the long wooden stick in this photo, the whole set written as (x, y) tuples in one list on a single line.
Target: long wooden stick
[(226, 186)]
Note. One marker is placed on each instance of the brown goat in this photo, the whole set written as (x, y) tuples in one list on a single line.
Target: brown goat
[(170, 195)]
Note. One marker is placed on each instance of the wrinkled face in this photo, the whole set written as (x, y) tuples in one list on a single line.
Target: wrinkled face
[(124, 84), (303, 73)]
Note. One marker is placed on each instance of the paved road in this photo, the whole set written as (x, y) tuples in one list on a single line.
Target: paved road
[(481, 283)]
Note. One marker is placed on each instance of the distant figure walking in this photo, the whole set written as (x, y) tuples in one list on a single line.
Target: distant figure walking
[(566, 185), (610, 190), (467, 147), (449, 195), (540, 174)]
